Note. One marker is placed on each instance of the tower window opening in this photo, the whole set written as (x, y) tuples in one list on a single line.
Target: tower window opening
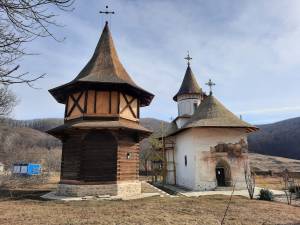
[(185, 160), (195, 106)]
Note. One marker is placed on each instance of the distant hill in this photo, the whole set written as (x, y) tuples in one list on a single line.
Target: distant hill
[(277, 139), (276, 164), (155, 125), (37, 124), (23, 144)]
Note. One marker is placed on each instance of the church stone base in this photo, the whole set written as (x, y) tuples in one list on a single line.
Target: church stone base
[(123, 190)]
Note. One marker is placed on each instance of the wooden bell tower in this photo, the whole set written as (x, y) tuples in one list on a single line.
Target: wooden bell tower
[(101, 130)]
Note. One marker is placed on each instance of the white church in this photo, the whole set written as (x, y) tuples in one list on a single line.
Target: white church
[(209, 143)]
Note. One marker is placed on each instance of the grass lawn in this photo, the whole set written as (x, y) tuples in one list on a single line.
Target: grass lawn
[(25, 207), (30, 210)]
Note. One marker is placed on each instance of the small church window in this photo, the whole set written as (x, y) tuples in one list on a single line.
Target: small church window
[(185, 160)]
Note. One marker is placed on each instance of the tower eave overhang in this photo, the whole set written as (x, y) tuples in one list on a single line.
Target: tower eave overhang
[(66, 128), (60, 93), (175, 98), (247, 129)]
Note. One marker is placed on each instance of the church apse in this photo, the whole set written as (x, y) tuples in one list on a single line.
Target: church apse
[(227, 159)]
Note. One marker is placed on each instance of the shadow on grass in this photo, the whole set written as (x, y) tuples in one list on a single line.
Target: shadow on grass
[(8, 195)]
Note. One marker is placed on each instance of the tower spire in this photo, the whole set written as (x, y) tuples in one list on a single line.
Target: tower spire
[(188, 58)]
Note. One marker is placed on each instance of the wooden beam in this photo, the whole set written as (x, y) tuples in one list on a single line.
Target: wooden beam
[(118, 103), (76, 104), (109, 111), (128, 105), (67, 106), (85, 101), (95, 102), (138, 108)]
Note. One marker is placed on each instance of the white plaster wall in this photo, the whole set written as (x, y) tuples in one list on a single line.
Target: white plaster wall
[(185, 175), (204, 139), (186, 106), (170, 167), (200, 171)]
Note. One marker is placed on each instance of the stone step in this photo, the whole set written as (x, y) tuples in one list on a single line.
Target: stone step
[(149, 188), (223, 189)]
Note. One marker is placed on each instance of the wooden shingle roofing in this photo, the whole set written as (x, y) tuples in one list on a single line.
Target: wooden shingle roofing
[(211, 114), (189, 84), (104, 69)]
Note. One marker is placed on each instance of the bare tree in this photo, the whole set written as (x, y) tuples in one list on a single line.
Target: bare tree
[(250, 180), (7, 101), (22, 21), (288, 185)]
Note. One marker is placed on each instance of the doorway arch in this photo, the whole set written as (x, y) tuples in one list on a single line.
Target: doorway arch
[(223, 173)]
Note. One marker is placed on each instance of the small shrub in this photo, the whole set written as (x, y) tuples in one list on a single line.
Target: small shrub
[(266, 195)]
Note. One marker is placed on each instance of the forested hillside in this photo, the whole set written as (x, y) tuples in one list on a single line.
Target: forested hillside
[(277, 139)]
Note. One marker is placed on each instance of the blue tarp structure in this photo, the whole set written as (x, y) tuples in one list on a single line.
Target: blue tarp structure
[(29, 169)]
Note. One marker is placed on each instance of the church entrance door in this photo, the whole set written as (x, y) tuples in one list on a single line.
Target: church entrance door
[(220, 174)]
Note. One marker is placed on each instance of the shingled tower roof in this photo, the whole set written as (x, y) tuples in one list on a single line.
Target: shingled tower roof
[(189, 84), (105, 66), (211, 113), (104, 69)]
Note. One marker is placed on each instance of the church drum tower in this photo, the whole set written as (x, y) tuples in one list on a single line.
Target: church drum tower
[(101, 130)]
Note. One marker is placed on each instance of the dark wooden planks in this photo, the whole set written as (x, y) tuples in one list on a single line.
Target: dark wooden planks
[(99, 158)]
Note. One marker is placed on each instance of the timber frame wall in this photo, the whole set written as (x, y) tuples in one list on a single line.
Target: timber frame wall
[(102, 103)]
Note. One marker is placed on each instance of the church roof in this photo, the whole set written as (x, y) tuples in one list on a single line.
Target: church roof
[(212, 113), (104, 68), (189, 84)]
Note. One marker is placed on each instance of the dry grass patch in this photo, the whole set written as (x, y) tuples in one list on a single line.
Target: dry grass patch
[(202, 210)]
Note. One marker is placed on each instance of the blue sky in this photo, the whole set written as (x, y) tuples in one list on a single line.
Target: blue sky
[(250, 49)]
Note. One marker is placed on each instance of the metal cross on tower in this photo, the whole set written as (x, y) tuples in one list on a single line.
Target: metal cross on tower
[(188, 58), (107, 12), (210, 84)]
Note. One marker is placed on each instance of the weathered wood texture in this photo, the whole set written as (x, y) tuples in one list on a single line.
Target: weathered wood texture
[(128, 157), (100, 156), (71, 157), (102, 103)]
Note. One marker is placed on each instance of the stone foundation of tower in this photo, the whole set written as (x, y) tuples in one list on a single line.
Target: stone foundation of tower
[(125, 189)]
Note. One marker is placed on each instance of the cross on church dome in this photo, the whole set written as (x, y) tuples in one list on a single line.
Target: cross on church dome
[(188, 58), (107, 12), (210, 84)]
